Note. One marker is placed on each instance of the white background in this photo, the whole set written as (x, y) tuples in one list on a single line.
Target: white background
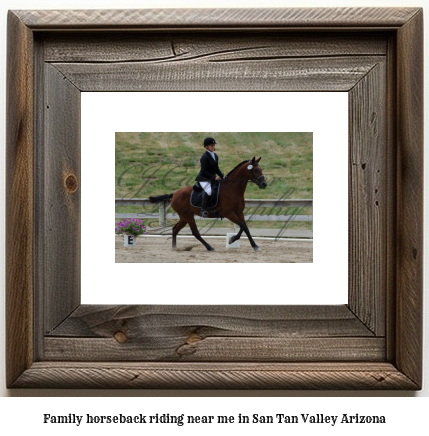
[(24, 414), (324, 113)]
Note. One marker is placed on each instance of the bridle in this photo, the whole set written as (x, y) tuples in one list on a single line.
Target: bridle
[(254, 179)]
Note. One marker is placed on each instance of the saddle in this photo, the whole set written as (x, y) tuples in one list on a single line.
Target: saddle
[(197, 196)]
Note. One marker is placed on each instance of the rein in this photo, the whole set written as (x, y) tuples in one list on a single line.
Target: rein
[(255, 179)]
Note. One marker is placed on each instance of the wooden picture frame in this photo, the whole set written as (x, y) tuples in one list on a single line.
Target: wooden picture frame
[(373, 342)]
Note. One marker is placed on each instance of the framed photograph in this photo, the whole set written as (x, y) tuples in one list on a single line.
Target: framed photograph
[(293, 128), (56, 339)]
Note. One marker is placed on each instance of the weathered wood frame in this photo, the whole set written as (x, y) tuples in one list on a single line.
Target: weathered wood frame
[(374, 342)]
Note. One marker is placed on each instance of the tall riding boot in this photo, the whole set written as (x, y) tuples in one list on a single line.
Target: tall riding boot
[(204, 204)]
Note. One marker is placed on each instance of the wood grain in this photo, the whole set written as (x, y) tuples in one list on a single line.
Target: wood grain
[(19, 200), (373, 343), (174, 348), (225, 47), (409, 279), (185, 19), (295, 74), (248, 376), (368, 202), (244, 321), (61, 186), (213, 333)]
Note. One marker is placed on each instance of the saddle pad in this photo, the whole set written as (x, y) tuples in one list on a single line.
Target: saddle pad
[(197, 196)]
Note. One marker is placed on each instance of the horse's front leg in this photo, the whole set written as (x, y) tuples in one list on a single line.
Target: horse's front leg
[(236, 237), (239, 220)]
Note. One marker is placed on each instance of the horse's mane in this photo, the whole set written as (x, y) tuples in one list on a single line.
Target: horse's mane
[(247, 160)]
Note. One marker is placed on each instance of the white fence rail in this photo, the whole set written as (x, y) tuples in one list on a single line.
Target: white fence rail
[(252, 215)]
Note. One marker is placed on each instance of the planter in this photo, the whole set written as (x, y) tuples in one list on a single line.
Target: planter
[(130, 241)]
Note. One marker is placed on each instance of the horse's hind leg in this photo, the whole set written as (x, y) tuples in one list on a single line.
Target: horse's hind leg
[(196, 233), (176, 229)]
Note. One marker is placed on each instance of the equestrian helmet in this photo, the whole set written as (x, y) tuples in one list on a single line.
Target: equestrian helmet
[(209, 141)]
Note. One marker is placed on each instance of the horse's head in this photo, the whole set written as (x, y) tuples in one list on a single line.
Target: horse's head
[(255, 173)]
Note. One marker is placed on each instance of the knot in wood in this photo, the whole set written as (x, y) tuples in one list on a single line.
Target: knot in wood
[(193, 338), (71, 183), (120, 337)]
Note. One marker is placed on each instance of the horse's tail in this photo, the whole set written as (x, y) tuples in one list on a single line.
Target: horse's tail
[(160, 198)]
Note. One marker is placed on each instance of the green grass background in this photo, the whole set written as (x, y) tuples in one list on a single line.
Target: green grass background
[(161, 162)]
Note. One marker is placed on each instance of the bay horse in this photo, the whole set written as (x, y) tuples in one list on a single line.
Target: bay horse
[(230, 204)]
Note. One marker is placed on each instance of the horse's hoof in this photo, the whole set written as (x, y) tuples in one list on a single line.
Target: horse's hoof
[(256, 248), (210, 249), (231, 240)]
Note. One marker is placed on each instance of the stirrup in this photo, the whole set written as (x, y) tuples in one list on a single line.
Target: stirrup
[(204, 213)]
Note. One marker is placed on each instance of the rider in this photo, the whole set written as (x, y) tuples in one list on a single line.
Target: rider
[(207, 175)]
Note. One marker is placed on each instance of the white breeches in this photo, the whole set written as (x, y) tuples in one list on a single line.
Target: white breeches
[(207, 187)]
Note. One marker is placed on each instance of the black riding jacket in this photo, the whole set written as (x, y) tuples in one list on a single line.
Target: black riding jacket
[(209, 168)]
